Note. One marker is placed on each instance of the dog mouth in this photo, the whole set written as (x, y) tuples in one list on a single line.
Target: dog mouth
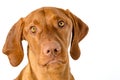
[(54, 61)]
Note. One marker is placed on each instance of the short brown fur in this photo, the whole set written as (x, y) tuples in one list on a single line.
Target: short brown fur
[(48, 33)]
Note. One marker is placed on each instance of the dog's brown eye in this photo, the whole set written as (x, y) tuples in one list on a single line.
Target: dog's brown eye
[(33, 29), (61, 23)]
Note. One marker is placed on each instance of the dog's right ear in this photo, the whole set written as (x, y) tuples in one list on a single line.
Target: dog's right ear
[(13, 45)]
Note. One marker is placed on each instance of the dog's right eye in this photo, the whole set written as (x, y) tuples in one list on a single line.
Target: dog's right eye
[(33, 29)]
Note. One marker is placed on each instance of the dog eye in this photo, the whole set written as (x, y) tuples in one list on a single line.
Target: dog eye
[(33, 29), (61, 24)]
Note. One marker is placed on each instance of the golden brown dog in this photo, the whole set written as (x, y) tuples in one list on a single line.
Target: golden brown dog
[(48, 33)]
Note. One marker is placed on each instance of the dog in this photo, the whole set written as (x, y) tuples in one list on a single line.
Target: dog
[(49, 32)]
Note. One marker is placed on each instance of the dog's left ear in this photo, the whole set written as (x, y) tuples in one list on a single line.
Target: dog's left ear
[(13, 45), (80, 29)]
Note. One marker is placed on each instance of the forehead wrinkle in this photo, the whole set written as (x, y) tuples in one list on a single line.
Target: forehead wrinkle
[(49, 14), (37, 17), (45, 20), (40, 17), (55, 14)]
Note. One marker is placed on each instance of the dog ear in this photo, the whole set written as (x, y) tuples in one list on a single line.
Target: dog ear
[(80, 30), (13, 45)]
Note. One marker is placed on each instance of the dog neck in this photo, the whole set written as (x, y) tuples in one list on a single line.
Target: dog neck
[(44, 73), (38, 75)]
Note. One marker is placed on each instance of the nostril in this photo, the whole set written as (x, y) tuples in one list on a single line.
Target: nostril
[(55, 50), (48, 51)]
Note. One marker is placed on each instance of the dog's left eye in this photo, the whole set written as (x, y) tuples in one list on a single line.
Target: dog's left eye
[(61, 23), (33, 29)]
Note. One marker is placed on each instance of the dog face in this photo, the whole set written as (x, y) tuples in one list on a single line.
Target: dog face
[(48, 34)]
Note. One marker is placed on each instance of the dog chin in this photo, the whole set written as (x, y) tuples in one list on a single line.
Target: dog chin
[(56, 66)]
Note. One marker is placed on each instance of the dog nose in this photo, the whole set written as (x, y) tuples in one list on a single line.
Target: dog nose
[(51, 48)]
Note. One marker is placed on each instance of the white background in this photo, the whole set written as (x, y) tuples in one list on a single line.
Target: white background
[(100, 58)]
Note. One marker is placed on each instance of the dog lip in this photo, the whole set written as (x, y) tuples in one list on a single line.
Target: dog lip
[(55, 61)]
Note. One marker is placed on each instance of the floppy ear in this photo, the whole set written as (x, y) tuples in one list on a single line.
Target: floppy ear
[(80, 30), (13, 45)]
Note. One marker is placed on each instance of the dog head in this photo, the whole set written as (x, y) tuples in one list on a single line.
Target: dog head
[(48, 33)]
